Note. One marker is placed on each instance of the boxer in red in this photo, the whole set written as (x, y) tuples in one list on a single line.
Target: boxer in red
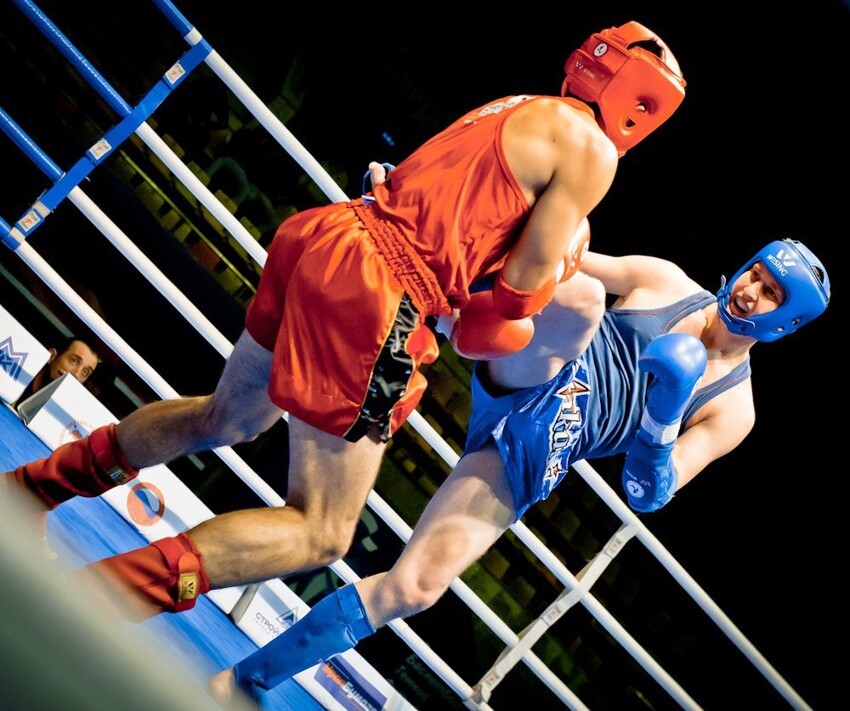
[(340, 325)]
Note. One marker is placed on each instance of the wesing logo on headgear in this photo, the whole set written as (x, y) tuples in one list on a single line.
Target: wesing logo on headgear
[(781, 261), (582, 67), (11, 361)]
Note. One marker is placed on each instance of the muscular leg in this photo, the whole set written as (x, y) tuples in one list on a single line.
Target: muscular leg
[(170, 574), (561, 332), (158, 433), (469, 512), (239, 409), (330, 479), (471, 509)]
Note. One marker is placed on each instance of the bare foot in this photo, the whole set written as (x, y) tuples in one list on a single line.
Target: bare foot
[(221, 687)]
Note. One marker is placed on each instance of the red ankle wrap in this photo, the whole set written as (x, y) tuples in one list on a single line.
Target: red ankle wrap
[(84, 467), (165, 576)]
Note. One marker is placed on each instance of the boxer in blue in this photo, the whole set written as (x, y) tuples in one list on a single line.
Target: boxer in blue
[(663, 375)]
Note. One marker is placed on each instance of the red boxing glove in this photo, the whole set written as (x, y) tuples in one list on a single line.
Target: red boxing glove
[(481, 333)]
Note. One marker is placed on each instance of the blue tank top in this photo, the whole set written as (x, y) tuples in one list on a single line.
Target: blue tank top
[(619, 387), (590, 409)]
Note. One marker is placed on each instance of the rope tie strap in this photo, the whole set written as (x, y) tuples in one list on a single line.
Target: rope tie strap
[(567, 599)]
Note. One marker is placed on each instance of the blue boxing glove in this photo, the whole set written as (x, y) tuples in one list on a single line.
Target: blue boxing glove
[(677, 363)]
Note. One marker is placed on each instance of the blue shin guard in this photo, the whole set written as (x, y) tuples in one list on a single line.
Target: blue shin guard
[(334, 625)]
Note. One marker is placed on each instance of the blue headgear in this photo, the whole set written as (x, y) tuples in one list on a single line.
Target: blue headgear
[(802, 277)]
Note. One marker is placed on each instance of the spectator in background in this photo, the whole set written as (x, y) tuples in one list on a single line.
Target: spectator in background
[(75, 356), (78, 358)]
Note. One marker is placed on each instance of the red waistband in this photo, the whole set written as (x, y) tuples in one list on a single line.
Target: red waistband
[(406, 264)]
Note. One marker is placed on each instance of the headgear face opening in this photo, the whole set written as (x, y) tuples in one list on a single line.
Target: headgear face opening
[(802, 277), (635, 90)]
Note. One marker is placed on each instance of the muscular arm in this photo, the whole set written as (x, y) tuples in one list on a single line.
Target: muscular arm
[(714, 430), (565, 165)]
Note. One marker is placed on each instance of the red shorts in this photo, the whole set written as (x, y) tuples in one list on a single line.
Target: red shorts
[(348, 342)]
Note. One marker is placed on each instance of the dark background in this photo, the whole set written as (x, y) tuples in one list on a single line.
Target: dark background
[(758, 151)]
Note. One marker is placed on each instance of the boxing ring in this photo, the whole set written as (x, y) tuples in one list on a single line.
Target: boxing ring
[(518, 646)]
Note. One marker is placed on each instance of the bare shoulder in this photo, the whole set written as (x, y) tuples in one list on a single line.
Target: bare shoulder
[(574, 127), (734, 406), (550, 137)]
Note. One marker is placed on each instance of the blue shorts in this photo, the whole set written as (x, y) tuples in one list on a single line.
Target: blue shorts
[(536, 430)]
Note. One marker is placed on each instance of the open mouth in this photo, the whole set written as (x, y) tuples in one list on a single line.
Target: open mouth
[(739, 307)]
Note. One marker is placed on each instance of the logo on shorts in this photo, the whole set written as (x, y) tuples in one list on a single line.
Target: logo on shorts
[(565, 429)]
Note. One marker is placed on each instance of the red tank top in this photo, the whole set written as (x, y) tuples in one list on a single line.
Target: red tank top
[(454, 201)]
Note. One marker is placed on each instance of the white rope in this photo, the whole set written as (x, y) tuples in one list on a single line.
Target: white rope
[(605, 492), (569, 597), (130, 356), (202, 192), (151, 272)]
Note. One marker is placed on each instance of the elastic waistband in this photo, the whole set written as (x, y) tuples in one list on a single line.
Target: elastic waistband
[(406, 264)]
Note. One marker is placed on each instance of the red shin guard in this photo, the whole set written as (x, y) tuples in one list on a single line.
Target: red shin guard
[(165, 576), (84, 467)]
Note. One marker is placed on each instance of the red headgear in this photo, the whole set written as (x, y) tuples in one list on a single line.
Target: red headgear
[(635, 90)]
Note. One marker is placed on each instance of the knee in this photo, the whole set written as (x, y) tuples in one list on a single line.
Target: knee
[(594, 300), (331, 540), (225, 425), (585, 297), (409, 591), (578, 305), (214, 427), (419, 580)]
